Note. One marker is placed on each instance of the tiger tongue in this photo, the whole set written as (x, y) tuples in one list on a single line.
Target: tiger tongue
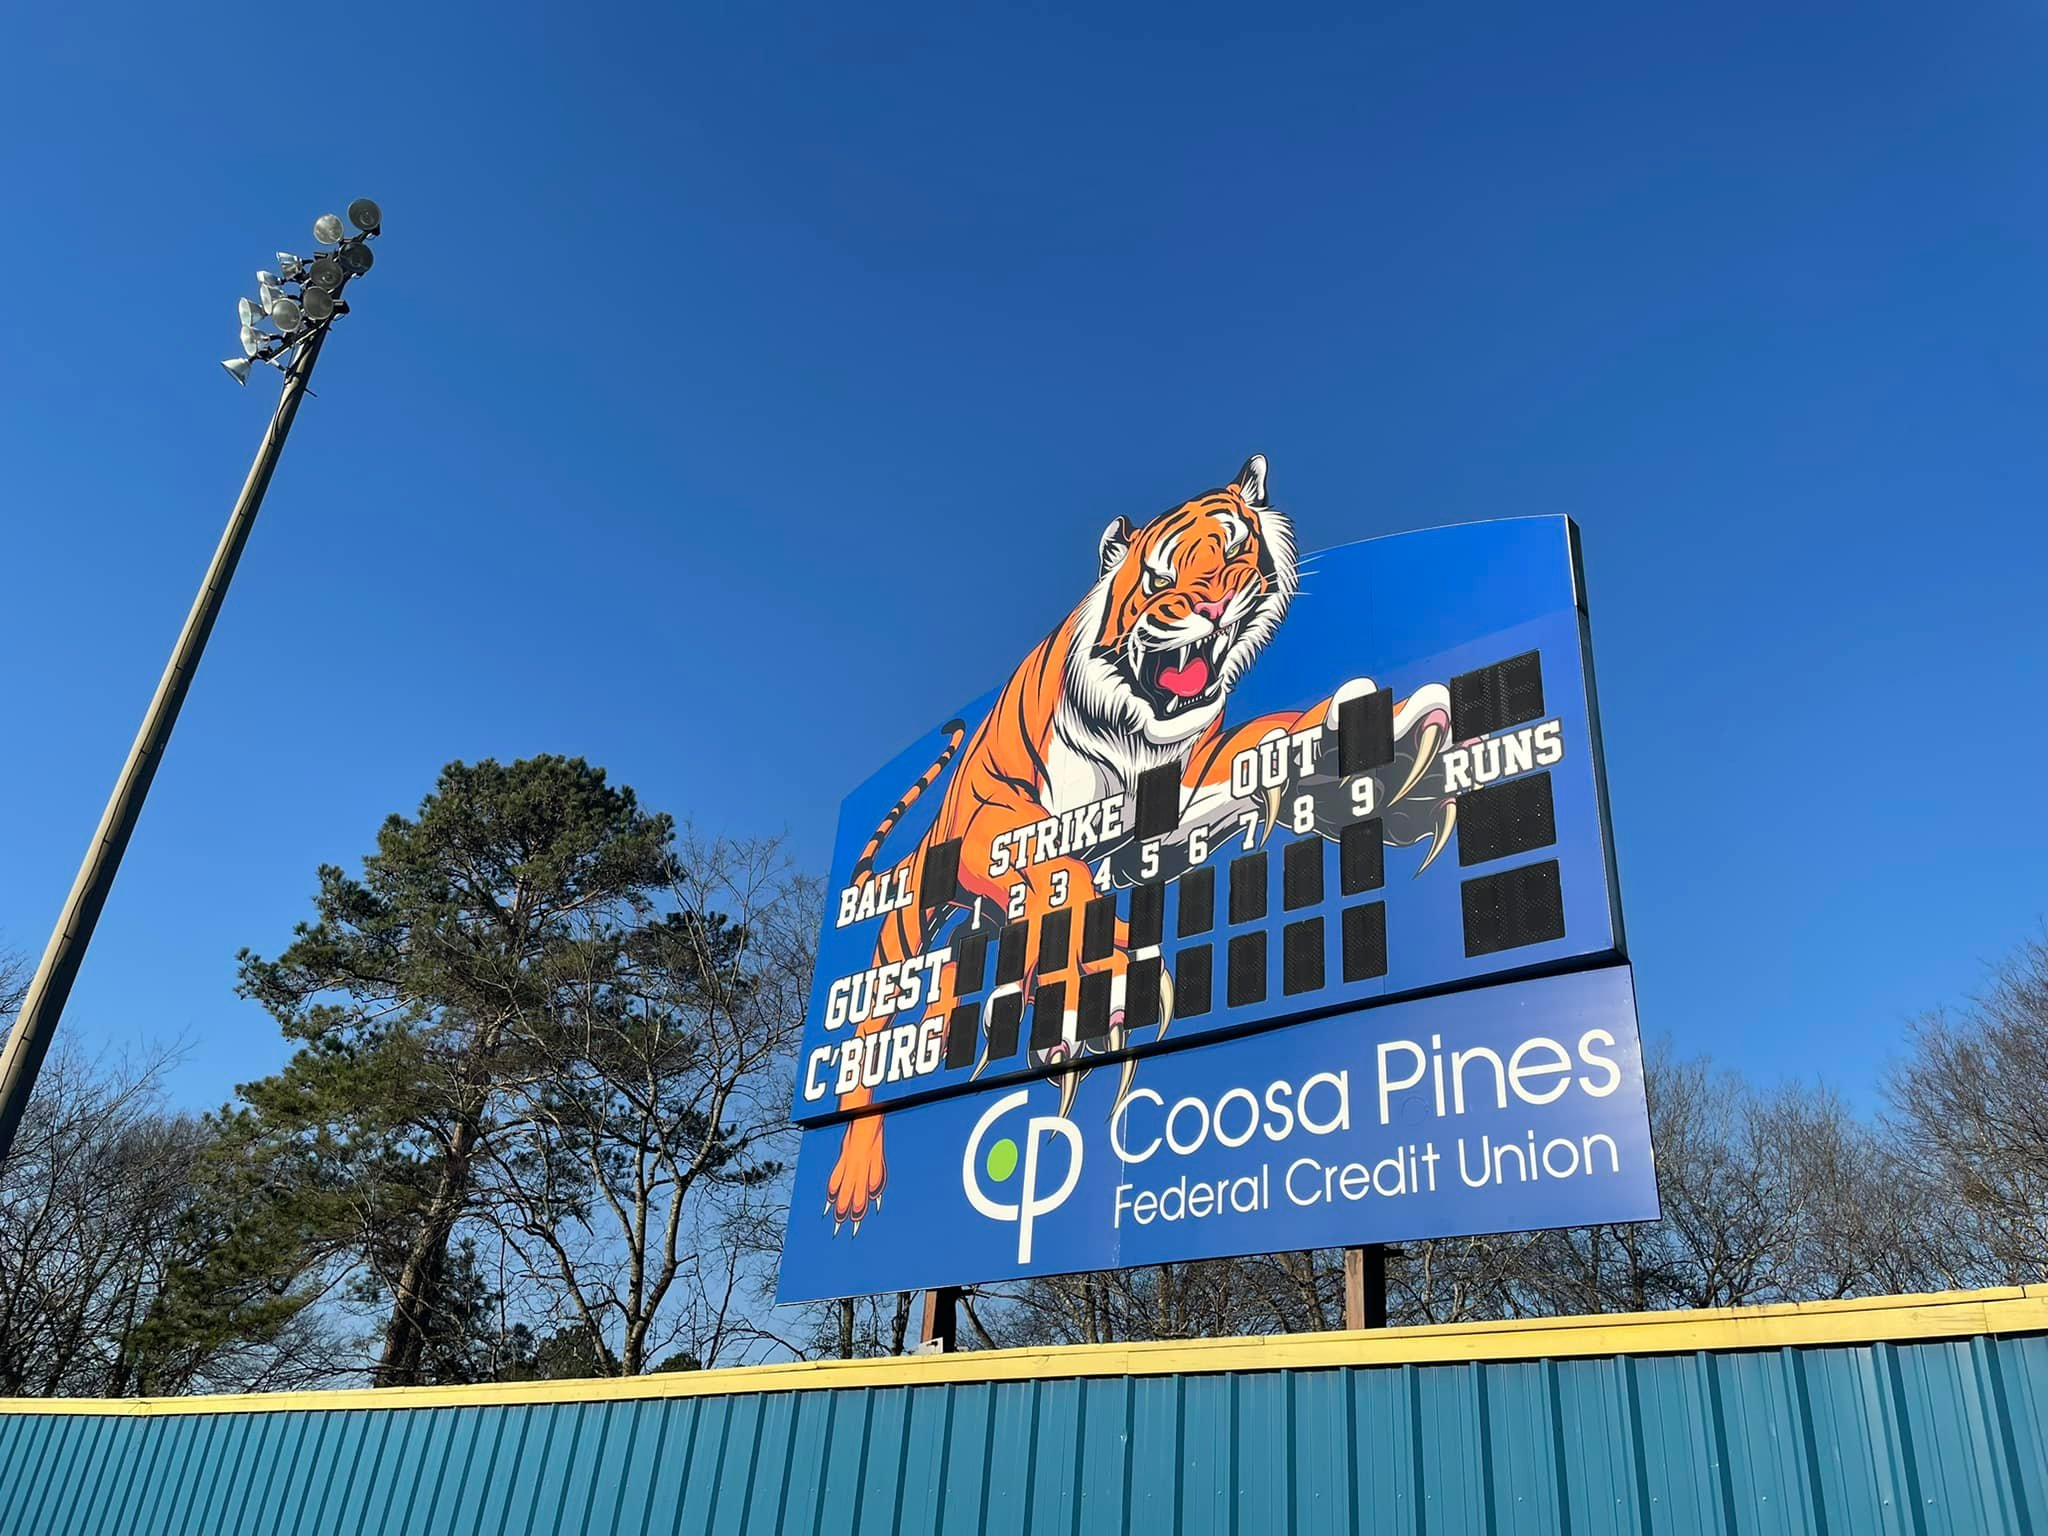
[(1185, 682)]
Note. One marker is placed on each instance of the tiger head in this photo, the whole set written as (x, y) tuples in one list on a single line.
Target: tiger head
[(1181, 608)]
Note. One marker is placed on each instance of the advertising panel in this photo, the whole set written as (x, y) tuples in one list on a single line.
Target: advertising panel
[(1502, 1108)]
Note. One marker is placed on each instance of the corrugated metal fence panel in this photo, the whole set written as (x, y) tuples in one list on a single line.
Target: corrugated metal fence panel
[(1946, 1436)]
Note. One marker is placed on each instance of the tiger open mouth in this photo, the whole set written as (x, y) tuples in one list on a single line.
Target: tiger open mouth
[(1173, 678)]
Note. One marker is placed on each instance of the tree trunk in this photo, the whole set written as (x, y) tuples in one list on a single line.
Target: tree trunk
[(418, 1292)]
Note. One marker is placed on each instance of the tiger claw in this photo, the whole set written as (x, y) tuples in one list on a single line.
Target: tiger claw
[(836, 1225), (856, 1227), (1070, 1085), (1427, 740), (1272, 815), (1447, 817)]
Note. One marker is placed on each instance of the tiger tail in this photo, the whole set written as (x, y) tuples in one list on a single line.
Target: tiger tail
[(955, 732)]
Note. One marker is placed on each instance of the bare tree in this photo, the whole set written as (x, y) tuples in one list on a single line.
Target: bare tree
[(14, 978), (1266, 1293), (632, 1176), (1969, 1106), (94, 1208), (1779, 1196)]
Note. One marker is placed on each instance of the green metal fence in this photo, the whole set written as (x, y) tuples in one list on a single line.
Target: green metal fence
[(1907, 1415)]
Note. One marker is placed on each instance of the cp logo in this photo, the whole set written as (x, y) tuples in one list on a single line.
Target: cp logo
[(1002, 1163)]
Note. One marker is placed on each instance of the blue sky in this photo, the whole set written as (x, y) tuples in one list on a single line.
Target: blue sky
[(739, 389)]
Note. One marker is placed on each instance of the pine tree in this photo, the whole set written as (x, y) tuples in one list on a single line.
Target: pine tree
[(420, 992)]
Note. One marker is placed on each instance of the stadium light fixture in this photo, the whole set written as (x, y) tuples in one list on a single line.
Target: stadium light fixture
[(286, 330)]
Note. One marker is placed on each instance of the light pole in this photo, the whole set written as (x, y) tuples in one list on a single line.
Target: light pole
[(301, 300)]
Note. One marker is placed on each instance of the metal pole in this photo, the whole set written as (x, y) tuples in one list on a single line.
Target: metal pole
[(940, 1330), (1365, 1286), (48, 992)]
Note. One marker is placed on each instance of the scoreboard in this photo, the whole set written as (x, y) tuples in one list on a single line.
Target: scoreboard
[(1276, 893), (1235, 790)]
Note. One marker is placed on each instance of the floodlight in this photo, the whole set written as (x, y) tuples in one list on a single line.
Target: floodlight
[(285, 314), (317, 302), (238, 369), (252, 340), (251, 314), (327, 229), (289, 264), (356, 258), (365, 215), (323, 272)]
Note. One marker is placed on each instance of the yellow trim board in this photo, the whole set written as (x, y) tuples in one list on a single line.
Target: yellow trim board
[(1875, 1319)]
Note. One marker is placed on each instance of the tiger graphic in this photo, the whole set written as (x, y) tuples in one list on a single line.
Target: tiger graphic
[(1135, 677)]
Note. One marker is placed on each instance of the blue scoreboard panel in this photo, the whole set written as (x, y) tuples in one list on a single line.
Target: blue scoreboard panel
[(1234, 788), (1401, 792)]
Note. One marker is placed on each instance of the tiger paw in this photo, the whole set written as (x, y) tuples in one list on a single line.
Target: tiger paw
[(855, 1187)]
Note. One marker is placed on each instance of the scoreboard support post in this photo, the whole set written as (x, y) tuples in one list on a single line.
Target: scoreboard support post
[(940, 1330), (1365, 1286)]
